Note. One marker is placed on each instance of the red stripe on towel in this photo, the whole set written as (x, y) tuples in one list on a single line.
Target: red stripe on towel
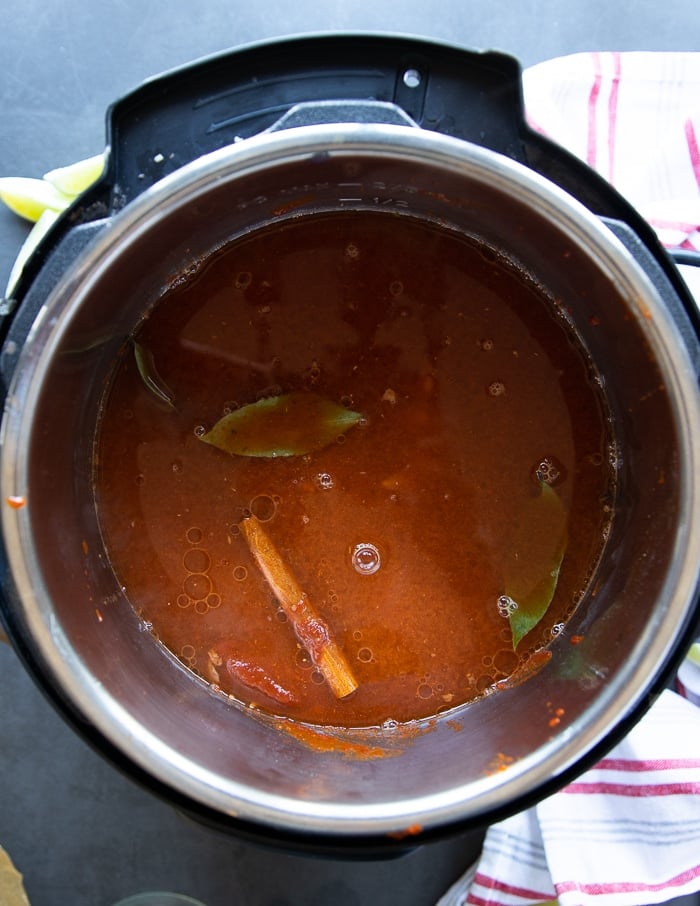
[(592, 150), (630, 887), (661, 764), (634, 790), (693, 149), (612, 113), (494, 884)]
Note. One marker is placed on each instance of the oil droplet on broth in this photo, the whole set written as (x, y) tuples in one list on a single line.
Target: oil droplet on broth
[(303, 659), (483, 682), (263, 507), (505, 661), (187, 651), (424, 691), (196, 560), (197, 586)]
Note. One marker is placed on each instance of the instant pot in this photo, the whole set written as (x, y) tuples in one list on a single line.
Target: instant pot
[(207, 153)]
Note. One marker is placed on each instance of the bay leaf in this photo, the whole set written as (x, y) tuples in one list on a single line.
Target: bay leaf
[(149, 375), (288, 425), (536, 558)]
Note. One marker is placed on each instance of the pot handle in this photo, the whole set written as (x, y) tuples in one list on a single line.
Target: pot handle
[(177, 117)]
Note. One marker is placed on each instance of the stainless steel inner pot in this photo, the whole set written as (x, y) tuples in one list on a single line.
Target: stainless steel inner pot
[(493, 756)]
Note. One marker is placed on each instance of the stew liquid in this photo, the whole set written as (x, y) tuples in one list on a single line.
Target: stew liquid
[(474, 471)]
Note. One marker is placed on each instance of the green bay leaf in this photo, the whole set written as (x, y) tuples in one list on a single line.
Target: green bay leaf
[(536, 558), (289, 425)]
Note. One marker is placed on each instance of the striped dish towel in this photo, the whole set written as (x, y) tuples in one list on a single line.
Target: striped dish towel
[(626, 833), (635, 118)]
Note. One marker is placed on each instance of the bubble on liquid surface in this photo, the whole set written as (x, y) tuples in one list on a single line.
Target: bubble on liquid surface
[(550, 471), (614, 458), (496, 388), (506, 606), (366, 558), (557, 629), (312, 374), (324, 481)]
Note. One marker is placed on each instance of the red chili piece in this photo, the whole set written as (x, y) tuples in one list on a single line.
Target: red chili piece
[(255, 677)]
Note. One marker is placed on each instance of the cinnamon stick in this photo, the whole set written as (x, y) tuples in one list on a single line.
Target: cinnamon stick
[(310, 629)]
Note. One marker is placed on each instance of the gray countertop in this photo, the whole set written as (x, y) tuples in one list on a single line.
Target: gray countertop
[(80, 832)]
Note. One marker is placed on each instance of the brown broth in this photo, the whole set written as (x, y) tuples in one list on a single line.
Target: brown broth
[(467, 380)]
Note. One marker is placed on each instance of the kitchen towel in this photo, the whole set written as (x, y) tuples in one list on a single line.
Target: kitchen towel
[(635, 118), (627, 832)]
